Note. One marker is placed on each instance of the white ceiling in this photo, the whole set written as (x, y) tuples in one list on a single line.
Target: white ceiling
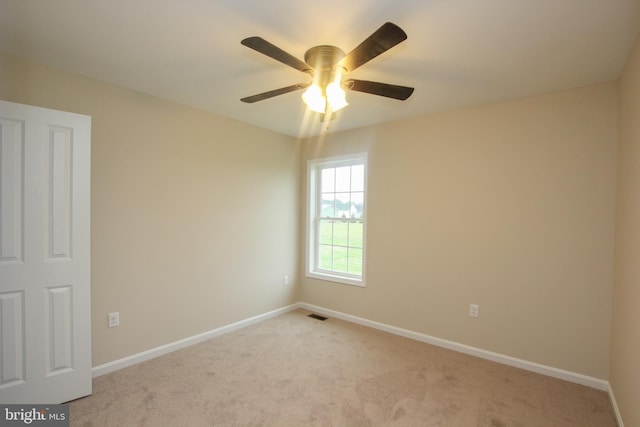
[(458, 53)]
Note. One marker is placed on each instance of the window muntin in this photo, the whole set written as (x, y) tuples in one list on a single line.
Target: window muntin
[(336, 246)]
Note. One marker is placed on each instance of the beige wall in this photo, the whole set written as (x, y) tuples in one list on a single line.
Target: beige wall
[(509, 206), (193, 215), (625, 342)]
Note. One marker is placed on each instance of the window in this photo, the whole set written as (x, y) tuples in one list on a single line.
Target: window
[(336, 219)]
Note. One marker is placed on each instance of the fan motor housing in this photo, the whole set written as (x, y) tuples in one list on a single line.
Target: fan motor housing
[(323, 57)]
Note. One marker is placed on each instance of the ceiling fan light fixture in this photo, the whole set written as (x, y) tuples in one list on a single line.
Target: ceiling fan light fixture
[(327, 65), (314, 99)]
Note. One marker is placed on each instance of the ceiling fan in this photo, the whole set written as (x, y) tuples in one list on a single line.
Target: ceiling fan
[(327, 65)]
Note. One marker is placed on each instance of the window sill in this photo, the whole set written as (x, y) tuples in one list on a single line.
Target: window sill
[(337, 279)]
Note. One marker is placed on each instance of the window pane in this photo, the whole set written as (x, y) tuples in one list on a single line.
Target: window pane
[(326, 260), (357, 178), (340, 233), (340, 259), (355, 261), (343, 205), (357, 205), (343, 178), (327, 184), (326, 232), (328, 206), (355, 234)]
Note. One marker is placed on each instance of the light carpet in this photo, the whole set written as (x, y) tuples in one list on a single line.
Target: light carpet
[(293, 370)]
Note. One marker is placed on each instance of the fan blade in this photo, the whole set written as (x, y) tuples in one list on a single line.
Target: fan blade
[(382, 89), (383, 39), (272, 51), (275, 92)]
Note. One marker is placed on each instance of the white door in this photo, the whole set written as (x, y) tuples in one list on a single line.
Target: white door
[(45, 302)]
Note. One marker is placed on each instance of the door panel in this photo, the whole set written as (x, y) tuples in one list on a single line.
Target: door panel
[(12, 333), (59, 199), (11, 185), (58, 320)]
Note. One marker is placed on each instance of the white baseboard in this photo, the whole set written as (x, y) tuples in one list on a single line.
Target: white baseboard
[(616, 410), (177, 345), (462, 348)]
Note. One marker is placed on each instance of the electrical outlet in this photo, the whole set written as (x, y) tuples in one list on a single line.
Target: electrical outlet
[(474, 310), (285, 281), (114, 319)]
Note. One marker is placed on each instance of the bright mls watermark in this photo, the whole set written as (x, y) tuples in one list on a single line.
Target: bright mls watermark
[(34, 415)]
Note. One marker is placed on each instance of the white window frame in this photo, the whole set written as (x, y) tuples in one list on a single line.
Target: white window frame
[(314, 167)]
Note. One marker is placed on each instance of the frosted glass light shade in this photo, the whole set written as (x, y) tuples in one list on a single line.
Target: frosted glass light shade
[(314, 99), (336, 96)]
